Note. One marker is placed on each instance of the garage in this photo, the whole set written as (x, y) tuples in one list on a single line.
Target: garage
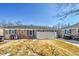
[(46, 35)]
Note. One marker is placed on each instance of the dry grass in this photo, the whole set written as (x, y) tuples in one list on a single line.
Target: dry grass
[(40, 48), (1, 43)]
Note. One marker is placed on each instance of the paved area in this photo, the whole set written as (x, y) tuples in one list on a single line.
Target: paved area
[(74, 42)]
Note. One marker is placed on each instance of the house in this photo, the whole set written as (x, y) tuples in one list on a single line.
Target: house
[(71, 31), (27, 32)]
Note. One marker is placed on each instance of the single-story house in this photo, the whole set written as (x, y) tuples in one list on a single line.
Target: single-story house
[(72, 30), (27, 32)]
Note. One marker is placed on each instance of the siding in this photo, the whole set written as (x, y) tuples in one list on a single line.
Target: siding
[(74, 31), (1, 32)]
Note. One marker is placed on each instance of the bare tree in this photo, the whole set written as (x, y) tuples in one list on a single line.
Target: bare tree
[(64, 10), (18, 23)]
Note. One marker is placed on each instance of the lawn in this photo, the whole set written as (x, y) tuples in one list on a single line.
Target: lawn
[(39, 48)]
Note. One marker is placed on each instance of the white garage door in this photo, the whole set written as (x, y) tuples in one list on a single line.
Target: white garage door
[(46, 35)]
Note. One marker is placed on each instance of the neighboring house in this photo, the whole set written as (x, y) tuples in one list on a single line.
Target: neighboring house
[(71, 30), (27, 32)]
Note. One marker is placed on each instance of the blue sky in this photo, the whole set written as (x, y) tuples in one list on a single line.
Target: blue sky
[(35, 14)]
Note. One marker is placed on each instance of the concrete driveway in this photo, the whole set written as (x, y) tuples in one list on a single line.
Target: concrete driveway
[(74, 42)]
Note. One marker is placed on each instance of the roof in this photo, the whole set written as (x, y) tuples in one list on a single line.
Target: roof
[(28, 27), (72, 26)]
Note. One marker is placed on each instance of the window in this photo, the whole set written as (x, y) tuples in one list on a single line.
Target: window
[(9, 31), (69, 30), (30, 32), (12, 31), (65, 31), (15, 31)]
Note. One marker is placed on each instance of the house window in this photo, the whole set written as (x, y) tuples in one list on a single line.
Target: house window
[(12, 31), (9, 31), (70, 31), (15, 31), (65, 31), (30, 32)]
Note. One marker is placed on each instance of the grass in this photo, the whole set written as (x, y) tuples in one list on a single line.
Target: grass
[(40, 48), (1, 43)]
